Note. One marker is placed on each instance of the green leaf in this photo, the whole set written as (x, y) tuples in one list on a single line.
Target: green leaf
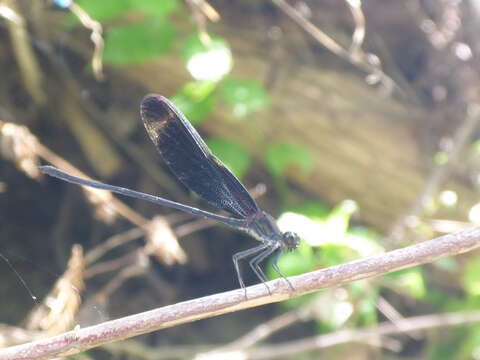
[(331, 254), (211, 60), (440, 158), (314, 210), (194, 111), (298, 302), (195, 100), (339, 219), (476, 147), (192, 46), (234, 155), (102, 10), (366, 311), (409, 280), (157, 8), (470, 278), (296, 262), (447, 264), (281, 157), (365, 233), (438, 298), (458, 345), (245, 96), (135, 43), (364, 241), (199, 90), (471, 344), (292, 263)]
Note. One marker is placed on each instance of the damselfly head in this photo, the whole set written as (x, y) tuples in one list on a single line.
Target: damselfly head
[(290, 240)]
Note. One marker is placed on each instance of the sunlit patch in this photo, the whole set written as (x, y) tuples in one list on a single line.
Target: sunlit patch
[(220, 355), (474, 213), (240, 110), (335, 310), (212, 64), (334, 230), (363, 245), (349, 206), (412, 281), (476, 353), (462, 51), (9, 14), (448, 198), (440, 158), (20, 146), (306, 228), (341, 312)]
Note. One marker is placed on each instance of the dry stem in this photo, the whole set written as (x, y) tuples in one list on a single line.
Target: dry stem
[(80, 340)]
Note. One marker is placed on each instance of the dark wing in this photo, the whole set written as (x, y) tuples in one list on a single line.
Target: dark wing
[(189, 158)]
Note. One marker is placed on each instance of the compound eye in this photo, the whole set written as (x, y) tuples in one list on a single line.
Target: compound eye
[(291, 240)]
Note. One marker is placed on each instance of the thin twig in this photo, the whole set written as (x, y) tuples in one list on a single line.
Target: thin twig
[(115, 264), (80, 340), (417, 323), (118, 206), (438, 176), (265, 330), (95, 36), (30, 70), (133, 270), (447, 226), (356, 56), (358, 35), (201, 10), (393, 315), (113, 242), (360, 335)]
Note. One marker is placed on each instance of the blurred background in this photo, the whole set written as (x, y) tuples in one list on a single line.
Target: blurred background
[(354, 123)]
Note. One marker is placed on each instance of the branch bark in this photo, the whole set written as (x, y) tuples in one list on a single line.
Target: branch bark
[(80, 340)]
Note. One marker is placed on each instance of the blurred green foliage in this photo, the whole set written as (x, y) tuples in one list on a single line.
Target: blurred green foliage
[(104, 10), (110, 9), (233, 154), (245, 96), (328, 236), (471, 278), (158, 9), (280, 157), (328, 239), (193, 46), (409, 281), (144, 40), (196, 100), (207, 58)]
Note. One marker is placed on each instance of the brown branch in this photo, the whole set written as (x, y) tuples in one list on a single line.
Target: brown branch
[(80, 340)]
